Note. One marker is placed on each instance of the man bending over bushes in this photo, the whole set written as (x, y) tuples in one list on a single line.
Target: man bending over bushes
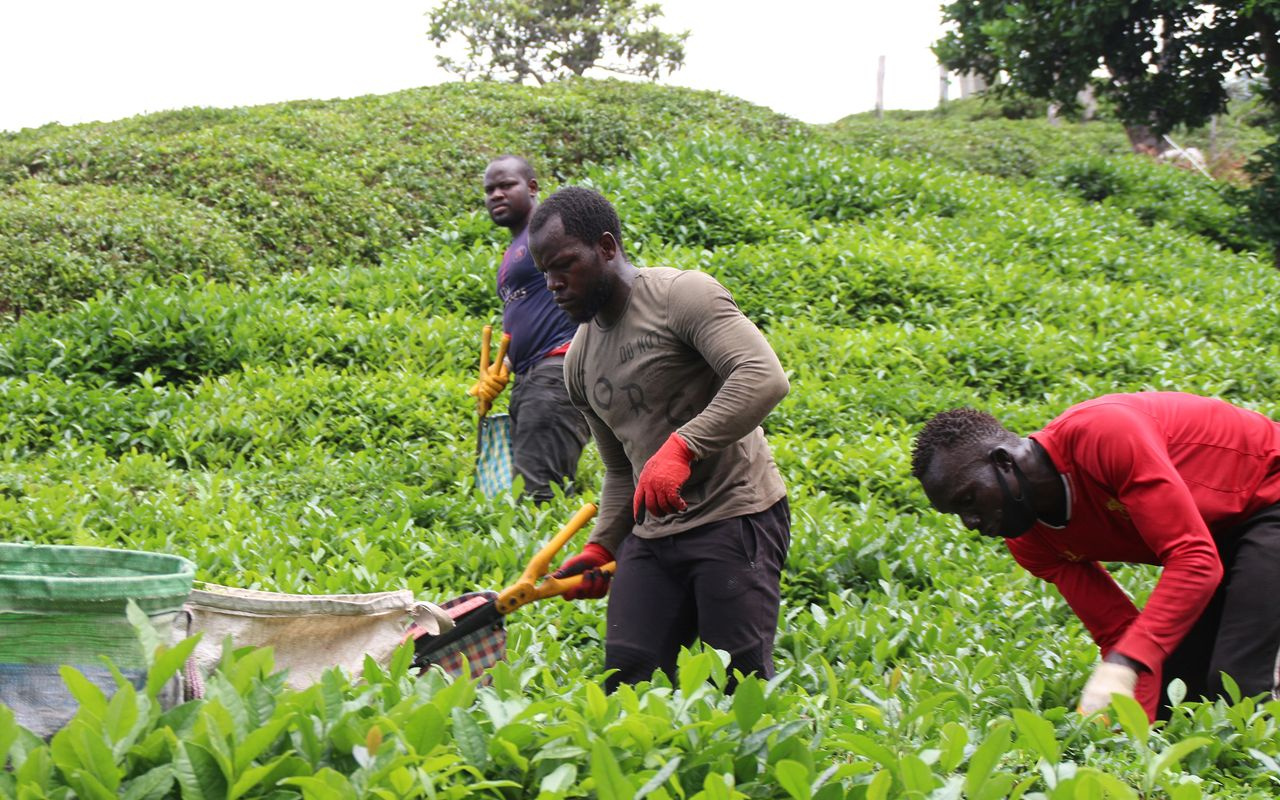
[(674, 382), (1186, 482)]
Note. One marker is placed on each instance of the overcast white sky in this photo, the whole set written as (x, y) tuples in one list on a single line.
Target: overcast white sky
[(79, 60)]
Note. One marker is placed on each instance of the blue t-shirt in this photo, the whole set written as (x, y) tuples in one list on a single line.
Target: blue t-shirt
[(529, 312)]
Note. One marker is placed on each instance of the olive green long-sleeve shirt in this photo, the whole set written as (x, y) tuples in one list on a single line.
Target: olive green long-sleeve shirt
[(682, 358)]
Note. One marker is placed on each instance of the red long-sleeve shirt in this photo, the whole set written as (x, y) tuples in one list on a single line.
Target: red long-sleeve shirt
[(1152, 478)]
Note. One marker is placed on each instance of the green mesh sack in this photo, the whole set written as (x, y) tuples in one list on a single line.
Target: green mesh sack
[(66, 606)]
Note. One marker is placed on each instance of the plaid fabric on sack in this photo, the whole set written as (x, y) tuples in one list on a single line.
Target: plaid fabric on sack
[(493, 463), (477, 651)]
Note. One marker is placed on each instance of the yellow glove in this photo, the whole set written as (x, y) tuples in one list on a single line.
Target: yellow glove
[(493, 377), (1107, 679), (490, 385)]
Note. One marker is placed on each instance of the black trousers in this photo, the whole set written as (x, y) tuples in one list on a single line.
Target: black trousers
[(1239, 631), (718, 582), (547, 432)]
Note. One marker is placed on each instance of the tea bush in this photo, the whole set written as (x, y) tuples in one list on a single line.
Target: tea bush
[(61, 242), (1091, 160), (1153, 192), (1006, 148), (316, 183), (309, 432)]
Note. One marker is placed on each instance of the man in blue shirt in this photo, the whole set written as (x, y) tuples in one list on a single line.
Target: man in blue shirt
[(547, 431)]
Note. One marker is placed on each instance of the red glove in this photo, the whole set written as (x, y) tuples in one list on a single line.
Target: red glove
[(595, 583), (658, 490)]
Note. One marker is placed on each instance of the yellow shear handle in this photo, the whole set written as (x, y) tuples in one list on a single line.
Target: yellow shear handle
[(502, 349), (486, 336), (527, 589), (486, 339), (552, 587)]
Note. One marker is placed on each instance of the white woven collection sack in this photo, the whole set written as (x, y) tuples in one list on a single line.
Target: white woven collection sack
[(310, 633)]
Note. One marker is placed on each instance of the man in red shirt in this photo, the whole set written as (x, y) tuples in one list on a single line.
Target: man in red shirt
[(1186, 482)]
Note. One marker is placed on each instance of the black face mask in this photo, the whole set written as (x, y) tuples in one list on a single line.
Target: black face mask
[(1016, 514)]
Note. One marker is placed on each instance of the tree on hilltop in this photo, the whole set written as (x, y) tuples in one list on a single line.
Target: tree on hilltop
[(1165, 61), (551, 39)]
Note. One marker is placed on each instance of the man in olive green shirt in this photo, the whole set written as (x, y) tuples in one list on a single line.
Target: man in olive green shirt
[(674, 382)]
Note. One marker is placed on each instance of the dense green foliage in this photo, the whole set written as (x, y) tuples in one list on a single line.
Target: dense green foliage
[(305, 184), (1160, 65), (309, 431), (995, 146), (1088, 160), (1262, 195)]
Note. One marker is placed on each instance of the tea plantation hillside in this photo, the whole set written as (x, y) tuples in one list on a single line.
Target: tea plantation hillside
[(231, 193), (303, 427)]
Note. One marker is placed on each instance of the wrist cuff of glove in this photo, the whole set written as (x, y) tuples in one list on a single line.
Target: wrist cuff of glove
[(1132, 663), (680, 447), (597, 552), (1125, 676)]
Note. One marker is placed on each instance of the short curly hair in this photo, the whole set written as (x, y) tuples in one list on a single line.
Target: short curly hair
[(951, 429), (585, 214), (523, 167)]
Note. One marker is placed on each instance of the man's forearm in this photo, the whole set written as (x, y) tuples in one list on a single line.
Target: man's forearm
[(705, 317), (747, 396), (615, 520)]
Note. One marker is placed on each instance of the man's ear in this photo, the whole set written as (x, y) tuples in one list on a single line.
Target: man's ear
[(608, 245), (1002, 458), (533, 186)]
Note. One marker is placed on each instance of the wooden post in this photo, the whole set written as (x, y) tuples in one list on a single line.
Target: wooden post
[(880, 90), (943, 85)]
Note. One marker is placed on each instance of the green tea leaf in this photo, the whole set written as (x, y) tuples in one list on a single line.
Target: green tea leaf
[(916, 775), (1037, 734), (327, 784), (559, 779), (985, 758), (124, 719), (472, 742), (1112, 785), (168, 662), (88, 786), (866, 746), (146, 631), (611, 784), (748, 703), (257, 742), (794, 778), (597, 705), (91, 699), (694, 670), (198, 773), (1171, 756), (151, 785), (879, 787), (424, 730), (659, 778), (1183, 791), (954, 739), (1132, 717), (8, 733)]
